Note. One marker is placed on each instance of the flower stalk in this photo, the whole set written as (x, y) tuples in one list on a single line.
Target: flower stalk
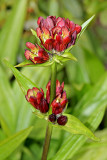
[(49, 126)]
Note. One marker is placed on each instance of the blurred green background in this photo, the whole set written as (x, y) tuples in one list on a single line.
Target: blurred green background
[(17, 17)]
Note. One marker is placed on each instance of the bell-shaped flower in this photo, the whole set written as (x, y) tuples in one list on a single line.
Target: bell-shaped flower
[(59, 103), (36, 98), (36, 54)]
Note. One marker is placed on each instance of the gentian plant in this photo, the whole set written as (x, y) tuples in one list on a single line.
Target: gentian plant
[(55, 37)]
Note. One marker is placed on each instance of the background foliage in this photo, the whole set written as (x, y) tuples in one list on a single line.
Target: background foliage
[(85, 81)]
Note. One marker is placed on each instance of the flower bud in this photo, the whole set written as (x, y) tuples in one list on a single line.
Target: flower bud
[(52, 117), (37, 54), (62, 120), (44, 107), (59, 89), (59, 103), (36, 98)]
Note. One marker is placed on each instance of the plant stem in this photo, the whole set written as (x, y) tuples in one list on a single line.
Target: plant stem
[(49, 126), (53, 84)]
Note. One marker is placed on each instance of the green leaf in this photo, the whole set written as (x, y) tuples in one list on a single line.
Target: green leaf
[(75, 126), (64, 57), (11, 32), (93, 100), (74, 142), (90, 110), (10, 144), (25, 117), (93, 66), (2, 134), (85, 25), (68, 49), (92, 150), (69, 56), (23, 81), (28, 63), (8, 106)]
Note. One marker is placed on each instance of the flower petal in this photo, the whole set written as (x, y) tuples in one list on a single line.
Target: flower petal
[(78, 28), (27, 54), (30, 45), (61, 23)]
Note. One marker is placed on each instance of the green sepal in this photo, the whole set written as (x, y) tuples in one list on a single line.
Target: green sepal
[(28, 63), (66, 56)]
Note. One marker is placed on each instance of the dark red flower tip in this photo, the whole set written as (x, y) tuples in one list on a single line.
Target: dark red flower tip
[(52, 118), (62, 120), (59, 103), (56, 33), (56, 108), (30, 45), (44, 107), (39, 97), (37, 54), (59, 89), (36, 98)]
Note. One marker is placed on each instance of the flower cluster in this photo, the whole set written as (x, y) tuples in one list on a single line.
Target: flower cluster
[(57, 34), (36, 98), (37, 54), (58, 104)]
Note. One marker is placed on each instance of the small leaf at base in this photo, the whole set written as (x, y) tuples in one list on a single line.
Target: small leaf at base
[(75, 126)]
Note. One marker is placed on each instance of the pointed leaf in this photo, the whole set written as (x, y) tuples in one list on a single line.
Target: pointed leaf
[(68, 49), (10, 144), (28, 63), (94, 150), (25, 117), (64, 57), (75, 126), (8, 107), (74, 142), (92, 112), (11, 32), (85, 25), (69, 56), (23, 82)]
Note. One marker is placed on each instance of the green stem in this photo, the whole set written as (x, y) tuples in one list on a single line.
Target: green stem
[(53, 84), (49, 126)]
